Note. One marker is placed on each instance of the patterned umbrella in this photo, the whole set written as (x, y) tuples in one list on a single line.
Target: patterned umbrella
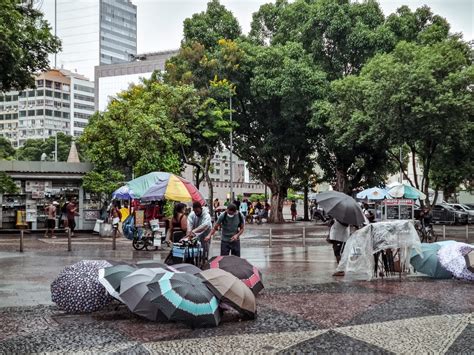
[(185, 298), (241, 269), (451, 256), (160, 186), (230, 290), (77, 288), (189, 268), (110, 277), (136, 296)]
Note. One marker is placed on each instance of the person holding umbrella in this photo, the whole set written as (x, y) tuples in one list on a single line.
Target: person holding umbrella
[(338, 235), (232, 223)]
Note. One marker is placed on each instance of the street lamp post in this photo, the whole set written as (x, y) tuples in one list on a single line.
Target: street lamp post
[(231, 146)]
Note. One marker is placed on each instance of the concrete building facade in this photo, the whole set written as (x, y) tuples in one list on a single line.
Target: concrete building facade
[(61, 102), (114, 78)]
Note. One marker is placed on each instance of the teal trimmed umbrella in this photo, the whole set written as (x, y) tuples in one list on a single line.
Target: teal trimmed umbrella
[(373, 193), (428, 262), (183, 297), (405, 191)]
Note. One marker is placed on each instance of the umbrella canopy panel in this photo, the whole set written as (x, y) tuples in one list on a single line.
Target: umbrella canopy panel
[(110, 278), (141, 184), (452, 257), (374, 193), (406, 191), (427, 262), (230, 290), (185, 298), (189, 268), (122, 193), (135, 294)]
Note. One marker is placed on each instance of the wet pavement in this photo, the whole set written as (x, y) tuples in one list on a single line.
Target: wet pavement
[(302, 309)]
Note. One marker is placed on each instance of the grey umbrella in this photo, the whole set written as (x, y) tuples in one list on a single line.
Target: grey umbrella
[(136, 296), (342, 207), (110, 278), (189, 268)]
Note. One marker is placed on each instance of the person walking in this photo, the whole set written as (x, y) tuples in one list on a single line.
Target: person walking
[(51, 219), (116, 215), (244, 208), (199, 225), (338, 235), (179, 224), (71, 214), (293, 211), (232, 223)]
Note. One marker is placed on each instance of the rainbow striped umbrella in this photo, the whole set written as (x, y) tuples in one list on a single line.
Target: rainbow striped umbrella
[(159, 186)]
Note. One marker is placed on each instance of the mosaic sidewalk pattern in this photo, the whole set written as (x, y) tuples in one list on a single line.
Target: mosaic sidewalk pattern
[(383, 316)]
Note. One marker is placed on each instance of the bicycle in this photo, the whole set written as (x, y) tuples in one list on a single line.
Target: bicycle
[(144, 238), (426, 233)]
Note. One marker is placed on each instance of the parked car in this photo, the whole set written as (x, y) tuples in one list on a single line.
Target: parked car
[(446, 214), (470, 205), (464, 208)]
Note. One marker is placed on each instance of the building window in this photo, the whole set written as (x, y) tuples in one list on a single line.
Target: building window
[(226, 172), (48, 112), (83, 97), (40, 83), (49, 84), (57, 113), (22, 113), (65, 114), (83, 88), (218, 171), (49, 93), (57, 95), (66, 87), (39, 112), (31, 113), (80, 124), (57, 86), (83, 107), (40, 92), (66, 105), (66, 96), (22, 94)]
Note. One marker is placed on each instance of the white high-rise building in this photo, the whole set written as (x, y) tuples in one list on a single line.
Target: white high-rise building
[(93, 32)]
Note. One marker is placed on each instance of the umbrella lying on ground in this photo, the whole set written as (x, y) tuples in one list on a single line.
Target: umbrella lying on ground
[(241, 269), (405, 191), (110, 278), (342, 207), (152, 265), (427, 262), (77, 288), (185, 298), (160, 186), (452, 257), (470, 260), (230, 290), (189, 268), (374, 193), (135, 294)]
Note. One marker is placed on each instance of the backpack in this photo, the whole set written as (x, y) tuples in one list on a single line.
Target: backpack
[(241, 220)]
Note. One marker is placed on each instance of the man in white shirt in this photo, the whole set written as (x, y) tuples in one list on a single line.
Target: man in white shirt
[(338, 235), (199, 225)]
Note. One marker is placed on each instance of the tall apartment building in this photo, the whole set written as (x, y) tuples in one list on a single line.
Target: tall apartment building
[(93, 32), (61, 102)]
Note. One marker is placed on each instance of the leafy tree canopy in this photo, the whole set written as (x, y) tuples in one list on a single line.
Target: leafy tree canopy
[(25, 43), (7, 185), (6, 149), (34, 148)]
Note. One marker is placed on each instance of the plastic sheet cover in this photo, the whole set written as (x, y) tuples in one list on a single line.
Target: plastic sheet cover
[(358, 261)]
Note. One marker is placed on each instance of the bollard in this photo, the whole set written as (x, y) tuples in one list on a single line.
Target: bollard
[(114, 242), (444, 231), (21, 241), (270, 237), (467, 232), (69, 243), (304, 237)]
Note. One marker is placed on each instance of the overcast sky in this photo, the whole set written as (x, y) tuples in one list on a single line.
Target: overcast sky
[(160, 22)]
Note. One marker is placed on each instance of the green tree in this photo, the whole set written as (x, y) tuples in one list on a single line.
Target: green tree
[(209, 26), (25, 43), (103, 182), (34, 148), (6, 149), (424, 93), (141, 131), (7, 185)]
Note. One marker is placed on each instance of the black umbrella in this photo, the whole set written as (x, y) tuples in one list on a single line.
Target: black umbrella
[(189, 268), (342, 207), (185, 298)]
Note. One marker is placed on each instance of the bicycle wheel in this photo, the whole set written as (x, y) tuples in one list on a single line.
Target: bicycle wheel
[(149, 244), (138, 244)]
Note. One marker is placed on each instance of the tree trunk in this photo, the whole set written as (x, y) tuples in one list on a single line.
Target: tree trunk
[(342, 184), (305, 203), (211, 193), (413, 164), (278, 198), (197, 178)]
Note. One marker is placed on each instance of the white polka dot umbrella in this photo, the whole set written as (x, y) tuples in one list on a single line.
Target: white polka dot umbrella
[(77, 288), (452, 258)]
